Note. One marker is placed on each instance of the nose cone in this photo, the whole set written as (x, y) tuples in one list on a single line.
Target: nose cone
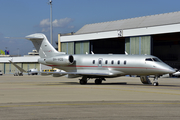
[(167, 69), (171, 70)]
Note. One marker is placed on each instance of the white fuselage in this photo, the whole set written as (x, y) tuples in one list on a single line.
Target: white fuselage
[(112, 65)]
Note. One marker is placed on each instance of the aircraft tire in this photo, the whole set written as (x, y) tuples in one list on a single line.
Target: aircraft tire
[(98, 81), (155, 83), (83, 82)]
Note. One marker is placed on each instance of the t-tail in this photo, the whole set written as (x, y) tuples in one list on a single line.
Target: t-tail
[(42, 45)]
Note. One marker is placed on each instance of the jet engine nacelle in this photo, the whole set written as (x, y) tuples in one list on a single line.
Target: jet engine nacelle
[(58, 60)]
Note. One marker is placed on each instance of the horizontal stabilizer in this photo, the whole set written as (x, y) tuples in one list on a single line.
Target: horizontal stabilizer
[(35, 37)]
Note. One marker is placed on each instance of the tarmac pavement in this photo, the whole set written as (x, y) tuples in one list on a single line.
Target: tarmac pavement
[(48, 98)]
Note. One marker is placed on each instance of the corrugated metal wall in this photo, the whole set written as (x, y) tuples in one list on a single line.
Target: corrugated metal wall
[(127, 45), (68, 47), (2, 67), (138, 45), (82, 47), (8, 68), (134, 45), (146, 45), (75, 47)]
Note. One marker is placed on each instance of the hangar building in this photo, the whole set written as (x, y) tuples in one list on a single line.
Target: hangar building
[(24, 62), (158, 35)]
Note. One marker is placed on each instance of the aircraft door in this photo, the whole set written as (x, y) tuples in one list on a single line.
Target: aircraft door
[(100, 62)]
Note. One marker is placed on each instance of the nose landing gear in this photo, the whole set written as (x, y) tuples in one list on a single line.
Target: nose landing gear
[(155, 81), (146, 80)]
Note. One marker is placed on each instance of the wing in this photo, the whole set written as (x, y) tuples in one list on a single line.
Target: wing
[(90, 73), (74, 73)]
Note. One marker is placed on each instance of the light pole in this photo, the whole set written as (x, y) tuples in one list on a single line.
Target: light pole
[(51, 36)]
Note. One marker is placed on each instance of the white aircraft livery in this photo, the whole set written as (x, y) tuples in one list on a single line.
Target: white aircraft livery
[(98, 66)]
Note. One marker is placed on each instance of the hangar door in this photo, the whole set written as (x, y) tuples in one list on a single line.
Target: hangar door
[(67, 47), (82, 47), (167, 47), (108, 46), (138, 45)]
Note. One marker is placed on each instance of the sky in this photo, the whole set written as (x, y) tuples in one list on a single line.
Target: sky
[(19, 18)]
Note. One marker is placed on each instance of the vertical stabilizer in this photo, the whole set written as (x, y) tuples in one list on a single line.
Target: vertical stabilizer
[(42, 45)]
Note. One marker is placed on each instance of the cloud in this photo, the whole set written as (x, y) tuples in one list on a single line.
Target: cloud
[(61, 23), (71, 27), (45, 29), (44, 23)]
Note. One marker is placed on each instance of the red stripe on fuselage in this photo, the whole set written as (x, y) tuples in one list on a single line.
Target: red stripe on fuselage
[(105, 67)]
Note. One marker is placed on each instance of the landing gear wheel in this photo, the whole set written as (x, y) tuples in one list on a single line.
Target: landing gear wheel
[(98, 81), (83, 82), (155, 83)]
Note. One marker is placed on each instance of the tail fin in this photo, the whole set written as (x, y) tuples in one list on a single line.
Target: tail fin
[(42, 45)]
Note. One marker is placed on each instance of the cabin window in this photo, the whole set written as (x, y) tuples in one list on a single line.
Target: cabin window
[(149, 59), (106, 62), (112, 62), (118, 62), (93, 61), (125, 62)]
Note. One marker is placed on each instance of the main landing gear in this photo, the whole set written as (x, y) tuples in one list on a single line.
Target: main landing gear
[(84, 80), (99, 80)]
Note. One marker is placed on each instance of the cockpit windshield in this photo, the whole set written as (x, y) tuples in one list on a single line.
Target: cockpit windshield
[(149, 59), (156, 60), (153, 59)]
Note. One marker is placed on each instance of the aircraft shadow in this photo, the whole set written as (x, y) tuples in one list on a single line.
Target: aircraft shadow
[(114, 83), (121, 83), (77, 83)]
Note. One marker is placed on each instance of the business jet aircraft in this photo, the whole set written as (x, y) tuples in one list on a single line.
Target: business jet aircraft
[(98, 66)]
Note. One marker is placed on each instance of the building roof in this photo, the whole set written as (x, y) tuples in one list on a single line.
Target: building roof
[(19, 59), (139, 22)]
